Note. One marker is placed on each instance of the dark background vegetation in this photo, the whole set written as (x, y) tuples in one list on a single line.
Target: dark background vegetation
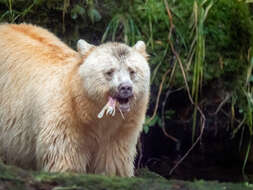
[(199, 123)]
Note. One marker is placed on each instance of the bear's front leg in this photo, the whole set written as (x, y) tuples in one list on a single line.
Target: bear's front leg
[(116, 159), (58, 153), (116, 155)]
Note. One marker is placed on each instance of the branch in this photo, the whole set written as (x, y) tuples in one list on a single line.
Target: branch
[(158, 96), (163, 110)]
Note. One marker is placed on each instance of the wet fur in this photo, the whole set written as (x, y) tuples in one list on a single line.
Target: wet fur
[(47, 118)]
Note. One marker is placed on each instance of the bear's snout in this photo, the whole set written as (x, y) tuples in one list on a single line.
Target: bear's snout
[(125, 90)]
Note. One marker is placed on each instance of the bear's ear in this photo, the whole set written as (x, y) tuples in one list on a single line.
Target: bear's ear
[(83, 47), (141, 48)]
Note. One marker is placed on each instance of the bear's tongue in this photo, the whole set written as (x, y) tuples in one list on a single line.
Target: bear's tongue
[(123, 104), (124, 107)]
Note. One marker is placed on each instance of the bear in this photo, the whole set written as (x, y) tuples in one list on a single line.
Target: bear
[(65, 110)]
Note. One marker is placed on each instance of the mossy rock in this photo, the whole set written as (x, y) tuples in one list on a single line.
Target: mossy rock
[(15, 178)]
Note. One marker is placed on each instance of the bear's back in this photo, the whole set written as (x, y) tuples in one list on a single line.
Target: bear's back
[(34, 42), (31, 56)]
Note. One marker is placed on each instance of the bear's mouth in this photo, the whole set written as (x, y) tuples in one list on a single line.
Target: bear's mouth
[(123, 104)]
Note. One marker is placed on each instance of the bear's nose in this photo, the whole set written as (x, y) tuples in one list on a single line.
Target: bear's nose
[(125, 90)]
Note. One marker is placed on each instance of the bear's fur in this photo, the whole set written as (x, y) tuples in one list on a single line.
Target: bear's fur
[(50, 96)]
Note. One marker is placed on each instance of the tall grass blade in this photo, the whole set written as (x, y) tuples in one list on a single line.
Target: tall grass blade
[(246, 158), (197, 50)]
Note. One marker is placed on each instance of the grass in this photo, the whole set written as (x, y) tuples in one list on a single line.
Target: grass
[(122, 23), (200, 12), (12, 15), (248, 113)]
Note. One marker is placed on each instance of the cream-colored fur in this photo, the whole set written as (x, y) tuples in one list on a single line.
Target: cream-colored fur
[(50, 96)]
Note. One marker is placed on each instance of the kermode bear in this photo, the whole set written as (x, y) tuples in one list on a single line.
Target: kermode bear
[(62, 110)]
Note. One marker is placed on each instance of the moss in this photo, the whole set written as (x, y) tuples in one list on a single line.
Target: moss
[(228, 39), (15, 178), (99, 182), (214, 185)]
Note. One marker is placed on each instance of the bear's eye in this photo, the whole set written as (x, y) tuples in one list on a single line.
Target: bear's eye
[(131, 71), (110, 73)]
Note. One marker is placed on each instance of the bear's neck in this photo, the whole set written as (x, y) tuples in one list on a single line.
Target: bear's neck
[(83, 107)]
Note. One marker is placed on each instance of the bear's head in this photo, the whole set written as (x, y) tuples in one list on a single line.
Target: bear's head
[(115, 70)]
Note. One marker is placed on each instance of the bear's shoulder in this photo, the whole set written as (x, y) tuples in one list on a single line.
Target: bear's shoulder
[(34, 38)]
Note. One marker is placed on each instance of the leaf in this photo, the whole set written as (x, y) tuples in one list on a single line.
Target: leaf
[(251, 78), (94, 15), (76, 11), (73, 16), (153, 121), (38, 2), (146, 129), (169, 114), (3, 15)]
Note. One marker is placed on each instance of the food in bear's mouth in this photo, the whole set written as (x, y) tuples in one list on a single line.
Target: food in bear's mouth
[(122, 104), (109, 108)]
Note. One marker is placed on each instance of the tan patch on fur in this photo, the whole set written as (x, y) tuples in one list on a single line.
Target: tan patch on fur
[(54, 51)]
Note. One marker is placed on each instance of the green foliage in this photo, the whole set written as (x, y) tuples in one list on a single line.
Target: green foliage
[(247, 110), (122, 24), (65, 18), (228, 44), (77, 11), (200, 13), (157, 120), (227, 29), (12, 14), (154, 121)]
